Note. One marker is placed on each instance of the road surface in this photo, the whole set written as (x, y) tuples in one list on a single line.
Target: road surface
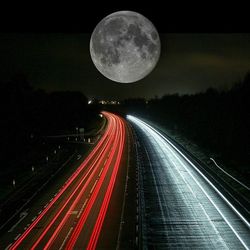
[(74, 217), (180, 208)]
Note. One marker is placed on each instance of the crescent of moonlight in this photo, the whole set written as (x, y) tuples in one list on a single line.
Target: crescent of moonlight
[(125, 46)]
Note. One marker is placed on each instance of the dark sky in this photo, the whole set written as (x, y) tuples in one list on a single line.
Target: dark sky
[(54, 54)]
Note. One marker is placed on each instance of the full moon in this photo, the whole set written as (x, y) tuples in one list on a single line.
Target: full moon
[(125, 46)]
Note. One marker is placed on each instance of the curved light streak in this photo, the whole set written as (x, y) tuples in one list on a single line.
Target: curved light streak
[(110, 145), (174, 150)]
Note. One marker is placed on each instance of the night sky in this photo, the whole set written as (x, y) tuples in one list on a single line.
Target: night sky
[(55, 56)]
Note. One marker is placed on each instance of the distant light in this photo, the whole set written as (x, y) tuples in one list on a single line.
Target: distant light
[(108, 102), (90, 101), (101, 115)]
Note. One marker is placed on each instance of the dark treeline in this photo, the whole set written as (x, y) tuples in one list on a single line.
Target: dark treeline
[(28, 114), (216, 120)]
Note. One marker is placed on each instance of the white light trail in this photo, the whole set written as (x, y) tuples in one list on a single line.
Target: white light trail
[(177, 153), (242, 184)]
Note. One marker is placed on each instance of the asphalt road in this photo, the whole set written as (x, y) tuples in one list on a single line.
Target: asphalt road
[(74, 217), (180, 208)]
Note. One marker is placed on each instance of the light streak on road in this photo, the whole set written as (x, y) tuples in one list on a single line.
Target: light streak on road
[(99, 222), (93, 182), (178, 158), (225, 172), (117, 144)]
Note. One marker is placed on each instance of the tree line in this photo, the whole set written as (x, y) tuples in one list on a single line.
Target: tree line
[(216, 120), (28, 114)]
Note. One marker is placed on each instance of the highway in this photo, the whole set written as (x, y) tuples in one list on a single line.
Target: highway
[(179, 207), (74, 217)]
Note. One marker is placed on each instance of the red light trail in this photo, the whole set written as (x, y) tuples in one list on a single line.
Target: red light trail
[(75, 216)]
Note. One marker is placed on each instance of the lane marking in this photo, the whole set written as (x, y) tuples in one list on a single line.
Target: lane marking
[(34, 218), (136, 240), (13, 227), (93, 187), (65, 239), (17, 236), (101, 170), (83, 206), (8, 246)]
